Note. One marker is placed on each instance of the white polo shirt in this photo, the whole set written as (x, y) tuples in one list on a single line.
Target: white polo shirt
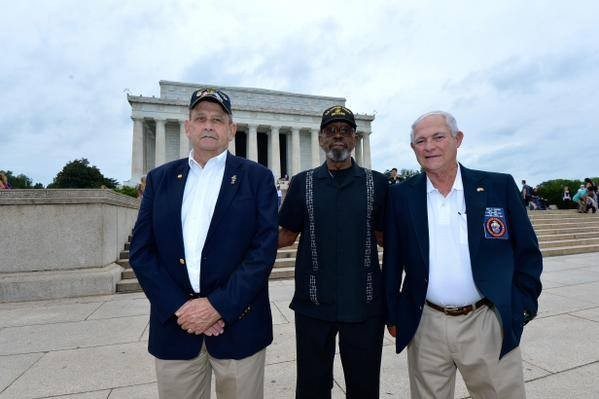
[(199, 200), (450, 280)]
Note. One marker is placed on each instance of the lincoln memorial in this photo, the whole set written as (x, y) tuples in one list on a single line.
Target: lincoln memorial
[(275, 128)]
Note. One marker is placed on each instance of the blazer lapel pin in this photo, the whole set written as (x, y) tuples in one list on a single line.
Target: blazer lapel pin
[(233, 179), (480, 189)]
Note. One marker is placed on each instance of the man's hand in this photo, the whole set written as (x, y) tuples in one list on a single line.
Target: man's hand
[(216, 329), (286, 237), (198, 315), (392, 331), (379, 238)]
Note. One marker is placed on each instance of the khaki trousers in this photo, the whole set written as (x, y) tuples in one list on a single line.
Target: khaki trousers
[(470, 343), (190, 379)]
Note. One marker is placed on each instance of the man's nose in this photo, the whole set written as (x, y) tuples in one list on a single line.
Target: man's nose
[(428, 145)]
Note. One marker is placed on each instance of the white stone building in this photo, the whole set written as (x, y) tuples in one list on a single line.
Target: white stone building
[(275, 128)]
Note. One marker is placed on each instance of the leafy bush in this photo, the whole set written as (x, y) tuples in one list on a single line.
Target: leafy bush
[(130, 191)]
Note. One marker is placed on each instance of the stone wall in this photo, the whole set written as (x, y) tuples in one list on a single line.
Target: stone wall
[(50, 238)]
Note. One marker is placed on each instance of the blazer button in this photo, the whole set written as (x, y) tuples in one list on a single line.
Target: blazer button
[(182, 261)]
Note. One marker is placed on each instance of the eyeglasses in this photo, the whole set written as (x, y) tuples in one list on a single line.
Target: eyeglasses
[(332, 131)]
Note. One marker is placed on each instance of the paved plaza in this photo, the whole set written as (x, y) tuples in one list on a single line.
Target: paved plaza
[(95, 347)]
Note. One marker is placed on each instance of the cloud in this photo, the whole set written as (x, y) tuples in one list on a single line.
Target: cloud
[(519, 77)]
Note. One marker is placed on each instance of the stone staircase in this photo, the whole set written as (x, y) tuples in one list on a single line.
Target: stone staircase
[(566, 232), (563, 232)]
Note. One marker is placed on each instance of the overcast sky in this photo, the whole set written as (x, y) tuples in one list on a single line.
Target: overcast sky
[(521, 77)]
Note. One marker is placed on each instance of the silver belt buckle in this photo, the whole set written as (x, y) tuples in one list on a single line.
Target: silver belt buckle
[(449, 309)]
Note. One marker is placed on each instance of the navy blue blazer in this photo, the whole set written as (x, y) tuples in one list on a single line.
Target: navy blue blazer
[(237, 258), (507, 272)]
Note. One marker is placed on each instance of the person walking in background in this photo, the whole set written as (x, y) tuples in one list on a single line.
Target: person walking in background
[(462, 270), (141, 187), (527, 193)]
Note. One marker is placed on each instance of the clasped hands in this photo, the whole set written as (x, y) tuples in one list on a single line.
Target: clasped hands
[(198, 316)]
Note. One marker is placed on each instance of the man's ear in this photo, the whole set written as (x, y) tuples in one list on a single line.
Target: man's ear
[(459, 137), (233, 132), (187, 128)]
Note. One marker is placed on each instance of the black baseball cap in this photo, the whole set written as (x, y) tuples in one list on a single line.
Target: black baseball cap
[(338, 113), (214, 95)]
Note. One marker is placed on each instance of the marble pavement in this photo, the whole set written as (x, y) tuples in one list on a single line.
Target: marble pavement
[(95, 347)]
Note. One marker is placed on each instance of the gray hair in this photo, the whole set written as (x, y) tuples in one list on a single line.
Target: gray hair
[(449, 120)]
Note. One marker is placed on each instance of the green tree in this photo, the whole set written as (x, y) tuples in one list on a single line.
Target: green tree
[(80, 174), (407, 173), (18, 181), (130, 191)]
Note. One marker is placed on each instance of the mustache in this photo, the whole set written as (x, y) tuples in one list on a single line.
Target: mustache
[(208, 135)]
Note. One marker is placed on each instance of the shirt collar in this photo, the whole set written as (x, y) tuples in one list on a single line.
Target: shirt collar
[(458, 185), (322, 171), (218, 160)]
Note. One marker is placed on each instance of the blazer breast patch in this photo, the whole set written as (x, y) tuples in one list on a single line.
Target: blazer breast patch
[(495, 224)]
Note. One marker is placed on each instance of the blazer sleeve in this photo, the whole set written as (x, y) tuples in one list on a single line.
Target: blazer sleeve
[(164, 294), (392, 263), (231, 299), (528, 261)]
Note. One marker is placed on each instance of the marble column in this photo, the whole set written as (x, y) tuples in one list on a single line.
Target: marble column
[(315, 146), (295, 151), (359, 157), (366, 151), (252, 143), (232, 146), (183, 141), (160, 156), (275, 152), (137, 150)]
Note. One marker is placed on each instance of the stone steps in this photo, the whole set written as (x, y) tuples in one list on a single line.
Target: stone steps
[(556, 224), (559, 233), (565, 243), (570, 250), (568, 236)]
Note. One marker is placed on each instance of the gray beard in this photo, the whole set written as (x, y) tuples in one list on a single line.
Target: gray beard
[(338, 155)]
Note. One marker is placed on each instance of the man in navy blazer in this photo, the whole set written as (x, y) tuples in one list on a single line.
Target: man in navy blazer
[(203, 247), (462, 270)]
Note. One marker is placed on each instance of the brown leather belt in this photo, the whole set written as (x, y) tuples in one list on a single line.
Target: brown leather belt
[(459, 310)]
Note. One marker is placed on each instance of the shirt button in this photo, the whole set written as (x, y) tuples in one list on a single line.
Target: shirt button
[(182, 261)]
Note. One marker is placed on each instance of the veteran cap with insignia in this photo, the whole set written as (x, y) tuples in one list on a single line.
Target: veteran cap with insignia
[(338, 113), (214, 95)]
